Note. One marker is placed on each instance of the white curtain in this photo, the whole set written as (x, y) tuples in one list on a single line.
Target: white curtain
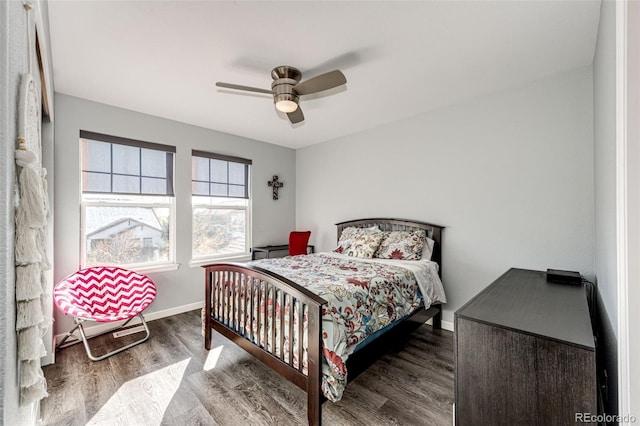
[(31, 260)]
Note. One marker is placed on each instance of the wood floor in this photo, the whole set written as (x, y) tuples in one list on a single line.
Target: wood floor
[(172, 380)]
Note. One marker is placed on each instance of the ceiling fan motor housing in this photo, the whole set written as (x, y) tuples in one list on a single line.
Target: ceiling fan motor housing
[(285, 71), (284, 78)]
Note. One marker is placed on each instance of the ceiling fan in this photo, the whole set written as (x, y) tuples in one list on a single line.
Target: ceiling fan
[(287, 88)]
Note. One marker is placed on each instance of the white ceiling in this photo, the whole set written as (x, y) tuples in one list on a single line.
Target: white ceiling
[(400, 58)]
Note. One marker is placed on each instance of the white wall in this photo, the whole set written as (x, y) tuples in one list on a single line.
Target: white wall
[(272, 220), (604, 94), (604, 102), (510, 175), (628, 204), (9, 81)]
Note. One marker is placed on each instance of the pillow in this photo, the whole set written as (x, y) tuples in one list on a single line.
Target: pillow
[(406, 245), (350, 233), (427, 251), (364, 245), (370, 230)]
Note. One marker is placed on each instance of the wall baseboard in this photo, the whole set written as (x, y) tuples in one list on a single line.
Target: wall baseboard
[(446, 325), (105, 327)]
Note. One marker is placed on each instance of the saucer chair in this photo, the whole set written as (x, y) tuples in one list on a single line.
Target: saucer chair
[(104, 294), (298, 241)]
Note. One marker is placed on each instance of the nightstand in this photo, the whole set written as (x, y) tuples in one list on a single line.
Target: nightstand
[(267, 250)]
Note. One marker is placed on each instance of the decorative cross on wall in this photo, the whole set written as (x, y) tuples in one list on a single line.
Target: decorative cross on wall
[(276, 184)]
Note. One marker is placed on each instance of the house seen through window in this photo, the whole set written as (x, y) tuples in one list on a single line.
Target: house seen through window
[(221, 205), (127, 201)]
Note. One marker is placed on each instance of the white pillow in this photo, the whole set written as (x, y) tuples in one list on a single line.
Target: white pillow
[(427, 251)]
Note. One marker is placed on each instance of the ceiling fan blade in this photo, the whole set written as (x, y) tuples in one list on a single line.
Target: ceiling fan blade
[(245, 88), (320, 83), (296, 116)]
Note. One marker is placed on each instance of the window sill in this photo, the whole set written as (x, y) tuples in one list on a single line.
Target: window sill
[(202, 262), (167, 267)]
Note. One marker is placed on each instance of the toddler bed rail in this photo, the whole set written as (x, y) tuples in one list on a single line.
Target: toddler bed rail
[(248, 304)]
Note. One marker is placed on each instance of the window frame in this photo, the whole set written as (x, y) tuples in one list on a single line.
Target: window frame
[(246, 254), (114, 199)]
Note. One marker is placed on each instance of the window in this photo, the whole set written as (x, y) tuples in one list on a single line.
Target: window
[(221, 205), (127, 201)]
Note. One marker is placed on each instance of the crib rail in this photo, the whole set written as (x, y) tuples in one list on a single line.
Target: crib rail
[(265, 314)]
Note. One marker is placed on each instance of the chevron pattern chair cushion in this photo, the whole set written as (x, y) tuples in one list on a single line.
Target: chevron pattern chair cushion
[(104, 294)]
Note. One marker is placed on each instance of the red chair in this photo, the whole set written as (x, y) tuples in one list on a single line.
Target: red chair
[(103, 294), (298, 241)]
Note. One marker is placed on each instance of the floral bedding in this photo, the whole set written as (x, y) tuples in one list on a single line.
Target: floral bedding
[(401, 245), (363, 297)]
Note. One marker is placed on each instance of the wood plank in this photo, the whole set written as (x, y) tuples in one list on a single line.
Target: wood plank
[(239, 389), (501, 353)]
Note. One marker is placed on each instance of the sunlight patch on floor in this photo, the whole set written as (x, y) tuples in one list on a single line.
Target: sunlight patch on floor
[(212, 358), (143, 400)]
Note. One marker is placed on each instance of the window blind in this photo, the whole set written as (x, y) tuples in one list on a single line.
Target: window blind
[(112, 164), (217, 175)]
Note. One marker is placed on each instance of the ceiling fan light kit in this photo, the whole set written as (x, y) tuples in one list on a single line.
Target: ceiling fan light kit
[(286, 88), (286, 105)]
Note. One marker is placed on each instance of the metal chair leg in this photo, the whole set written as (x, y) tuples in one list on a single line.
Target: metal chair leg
[(85, 339), (78, 321), (61, 345)]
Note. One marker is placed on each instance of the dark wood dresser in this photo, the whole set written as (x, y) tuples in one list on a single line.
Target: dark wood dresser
[(524, 353)]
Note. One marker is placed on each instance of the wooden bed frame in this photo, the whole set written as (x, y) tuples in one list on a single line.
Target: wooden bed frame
[(229, 284)]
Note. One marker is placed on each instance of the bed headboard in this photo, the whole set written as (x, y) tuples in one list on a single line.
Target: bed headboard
[(433, 231)]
